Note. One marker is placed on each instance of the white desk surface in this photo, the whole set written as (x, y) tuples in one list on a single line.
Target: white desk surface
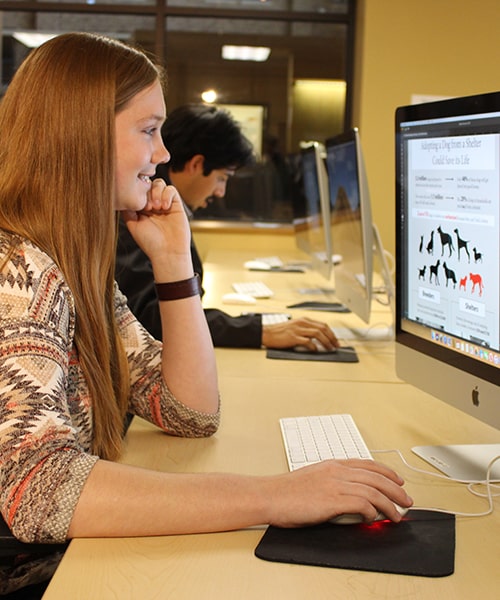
[(255, 393)]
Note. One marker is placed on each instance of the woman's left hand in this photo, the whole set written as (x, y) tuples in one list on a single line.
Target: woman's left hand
[(161, 229)]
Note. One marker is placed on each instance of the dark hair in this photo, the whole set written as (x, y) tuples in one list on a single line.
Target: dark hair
[(207, 130)]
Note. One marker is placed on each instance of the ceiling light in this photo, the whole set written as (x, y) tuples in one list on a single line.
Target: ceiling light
[(32, 39), (257, 53), (209, 96)]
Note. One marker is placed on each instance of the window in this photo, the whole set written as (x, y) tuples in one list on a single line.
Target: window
[(304, 87)]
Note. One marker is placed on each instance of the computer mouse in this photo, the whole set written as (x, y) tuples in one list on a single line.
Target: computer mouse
[(355, 519), (235, 298), (319, 347), (257, 265)]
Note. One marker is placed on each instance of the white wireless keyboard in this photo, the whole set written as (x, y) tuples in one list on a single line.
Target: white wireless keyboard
[(274, 318), (310, 439), (257, 289), (274, 262)]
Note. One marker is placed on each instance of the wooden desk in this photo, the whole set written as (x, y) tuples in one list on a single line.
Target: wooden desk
[(223, 268), (255, 393)]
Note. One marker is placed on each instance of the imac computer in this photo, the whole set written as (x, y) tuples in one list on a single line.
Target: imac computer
[(447, 267), (311, 233), (354, 238)]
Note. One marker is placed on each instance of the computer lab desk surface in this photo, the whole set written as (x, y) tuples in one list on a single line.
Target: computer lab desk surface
[(255, 393), (223, 565)]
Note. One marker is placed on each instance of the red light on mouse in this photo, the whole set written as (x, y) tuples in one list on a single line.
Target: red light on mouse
[(376, 525)]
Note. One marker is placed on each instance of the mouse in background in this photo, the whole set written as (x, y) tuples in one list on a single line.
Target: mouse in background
[(355, 519), (236, 298)]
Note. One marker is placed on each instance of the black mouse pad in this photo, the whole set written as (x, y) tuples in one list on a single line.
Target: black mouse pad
[(344, 354), (322, 306), (423, 544)]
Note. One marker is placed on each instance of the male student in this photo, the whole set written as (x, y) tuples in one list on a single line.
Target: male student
[(206, 147)]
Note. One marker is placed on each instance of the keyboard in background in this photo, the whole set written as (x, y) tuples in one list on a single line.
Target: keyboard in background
[(274, 318), (310, 439), (274, 262), (257, 289)]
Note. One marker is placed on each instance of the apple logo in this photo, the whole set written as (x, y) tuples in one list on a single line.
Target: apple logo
[(475, 396)]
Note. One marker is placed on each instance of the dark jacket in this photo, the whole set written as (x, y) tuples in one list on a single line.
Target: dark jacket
[(134, 275)]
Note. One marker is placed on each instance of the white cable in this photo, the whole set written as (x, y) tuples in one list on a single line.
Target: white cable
[(488, 482), (383, 302)]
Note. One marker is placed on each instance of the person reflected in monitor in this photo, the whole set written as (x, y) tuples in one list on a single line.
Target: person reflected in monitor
[(206, 147)]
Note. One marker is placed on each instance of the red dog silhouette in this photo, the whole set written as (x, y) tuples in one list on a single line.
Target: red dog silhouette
[(476, 280)]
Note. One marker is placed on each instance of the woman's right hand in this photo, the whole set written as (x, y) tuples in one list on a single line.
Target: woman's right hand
[(325, 490)]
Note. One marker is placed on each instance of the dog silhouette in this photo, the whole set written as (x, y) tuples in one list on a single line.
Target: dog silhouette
[(434, 271), (449, 275), (476, 280), (445, 241), (462, 244), (430, 245)]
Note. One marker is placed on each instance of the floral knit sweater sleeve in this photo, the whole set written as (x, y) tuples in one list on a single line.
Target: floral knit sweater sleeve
[(45, 410)]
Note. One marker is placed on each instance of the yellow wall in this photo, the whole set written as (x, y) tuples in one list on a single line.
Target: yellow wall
[(318, 110), (431, 47)]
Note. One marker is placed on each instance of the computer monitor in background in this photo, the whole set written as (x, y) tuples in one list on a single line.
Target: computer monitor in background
[(354, 238), (311, 232), (447, 267)]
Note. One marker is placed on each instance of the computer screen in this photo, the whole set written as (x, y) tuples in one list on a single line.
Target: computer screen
[(311, 232), (448, 256), (351, 226)]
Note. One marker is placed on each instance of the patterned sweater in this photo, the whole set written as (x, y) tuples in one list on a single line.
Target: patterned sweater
[(45, 409)]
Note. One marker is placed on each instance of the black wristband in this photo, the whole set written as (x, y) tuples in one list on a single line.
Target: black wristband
[(176, 290)]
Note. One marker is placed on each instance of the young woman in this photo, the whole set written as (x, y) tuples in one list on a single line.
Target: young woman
[(79, 141)]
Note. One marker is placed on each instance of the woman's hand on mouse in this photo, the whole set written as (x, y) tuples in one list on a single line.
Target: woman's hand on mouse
[(325, 490)]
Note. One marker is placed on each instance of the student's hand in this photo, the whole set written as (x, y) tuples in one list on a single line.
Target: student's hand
[(328, 489), (161, 229), (298, 332)]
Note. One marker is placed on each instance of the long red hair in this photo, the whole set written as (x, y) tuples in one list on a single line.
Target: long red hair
[(57, 168)]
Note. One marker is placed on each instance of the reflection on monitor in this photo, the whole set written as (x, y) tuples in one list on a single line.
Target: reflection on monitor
[(354, 237), (310, 232), (351, 222), (448, 252)]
